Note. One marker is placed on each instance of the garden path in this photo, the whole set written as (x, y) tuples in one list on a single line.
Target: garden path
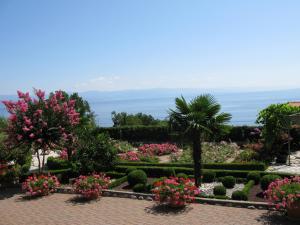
[(294, 168), (64, 209)]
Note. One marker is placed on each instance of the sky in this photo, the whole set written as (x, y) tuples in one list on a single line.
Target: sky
[(142, 44)]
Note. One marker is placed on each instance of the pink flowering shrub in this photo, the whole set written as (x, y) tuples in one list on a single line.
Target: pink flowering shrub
[(40, 185), (129, 156), (40, 122), (175, 191), (158, 149), (91, 186), (284, 192), (63, 154)]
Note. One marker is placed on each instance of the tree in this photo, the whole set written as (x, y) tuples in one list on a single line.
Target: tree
[(124, 119), (197, 119), (275, 123), (40, 124)]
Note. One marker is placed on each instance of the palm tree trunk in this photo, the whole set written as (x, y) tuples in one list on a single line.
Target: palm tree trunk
[(197, 158)]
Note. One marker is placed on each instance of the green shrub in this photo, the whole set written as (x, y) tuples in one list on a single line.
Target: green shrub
[(209, 176), (137, 177), (255, 176), (248, 155), (239, 195), (228, 181), (57, 163), (219, 190), (139, 188), (182, 175), (118, 182), (149, 187), (113, 174), (267, 179), (130, 169)]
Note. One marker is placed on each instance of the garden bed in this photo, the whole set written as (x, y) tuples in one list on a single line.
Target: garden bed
[(256, 194)]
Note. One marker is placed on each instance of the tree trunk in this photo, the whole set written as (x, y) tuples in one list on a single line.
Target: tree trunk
[(43, 163), (39, 160), (197, 151)]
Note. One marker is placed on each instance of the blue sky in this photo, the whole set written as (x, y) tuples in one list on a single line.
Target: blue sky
[(117, 45)]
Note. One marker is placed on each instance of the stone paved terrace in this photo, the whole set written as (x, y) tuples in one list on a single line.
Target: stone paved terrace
[(294, 168), (64, 209)]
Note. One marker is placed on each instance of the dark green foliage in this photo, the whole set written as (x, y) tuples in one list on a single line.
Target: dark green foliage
[(113, 174), (169, 172), (137, 177), (239, 195), (137, 133), (255, 176), (149, 187), (124, 119), (118, 182), (156, 171), (209, 176), (228, 181), (219, 190), (57, 163), (248, 187), (130, 169), (217, 166), (95, 153), (139, 188), (182, 175), (267, 179), (239, 134)]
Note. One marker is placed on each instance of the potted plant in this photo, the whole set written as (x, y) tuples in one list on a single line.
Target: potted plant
[(40, 185), (90, 187), (285, 193), (174, 191)]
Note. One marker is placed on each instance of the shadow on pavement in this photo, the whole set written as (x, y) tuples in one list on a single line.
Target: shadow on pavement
[(167, 210), (276, 218), (9, 192), (78, 200)]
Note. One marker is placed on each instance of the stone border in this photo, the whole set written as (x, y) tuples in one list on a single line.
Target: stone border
[(150, 197)]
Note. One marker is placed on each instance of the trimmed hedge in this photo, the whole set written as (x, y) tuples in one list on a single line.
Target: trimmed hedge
[(220, 166), (137, 177), (113, 174), (137, 133), (228, 181), (156, 171), (267, 179), (57, 163), (117, 182), (162, 133), (243, 194)]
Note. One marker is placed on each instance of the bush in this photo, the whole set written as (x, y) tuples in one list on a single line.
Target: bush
[(219, 190), (139, 188), (228, 181), (267, 179), (129, 170), (137, 177), (138, 133), (209, 176), (91, 186), (95, 153), (117, 182), (239, 195), (57, 163), (182, 175), (255, 176)]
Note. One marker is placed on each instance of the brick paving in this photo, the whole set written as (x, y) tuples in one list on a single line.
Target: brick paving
[(66, 209)]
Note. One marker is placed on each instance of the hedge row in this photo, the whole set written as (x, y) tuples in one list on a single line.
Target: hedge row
[(156, 171), (215, 166), (137, 133), (244, 193), (118, 182)]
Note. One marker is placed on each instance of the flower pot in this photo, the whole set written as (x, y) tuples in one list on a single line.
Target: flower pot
[(293, 211)]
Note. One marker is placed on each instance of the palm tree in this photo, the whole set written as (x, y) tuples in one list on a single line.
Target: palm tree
[(197, 119)]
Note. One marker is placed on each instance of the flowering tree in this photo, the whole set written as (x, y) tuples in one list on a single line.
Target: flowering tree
[(40, 123)]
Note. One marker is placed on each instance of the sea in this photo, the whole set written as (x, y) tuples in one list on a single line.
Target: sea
[(243, 105)]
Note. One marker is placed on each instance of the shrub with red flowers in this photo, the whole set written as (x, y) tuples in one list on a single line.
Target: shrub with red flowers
[(284, 192), (91, 186), (175, 191), (40, 185), (158, 149), (40, 123), (129, 156)]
